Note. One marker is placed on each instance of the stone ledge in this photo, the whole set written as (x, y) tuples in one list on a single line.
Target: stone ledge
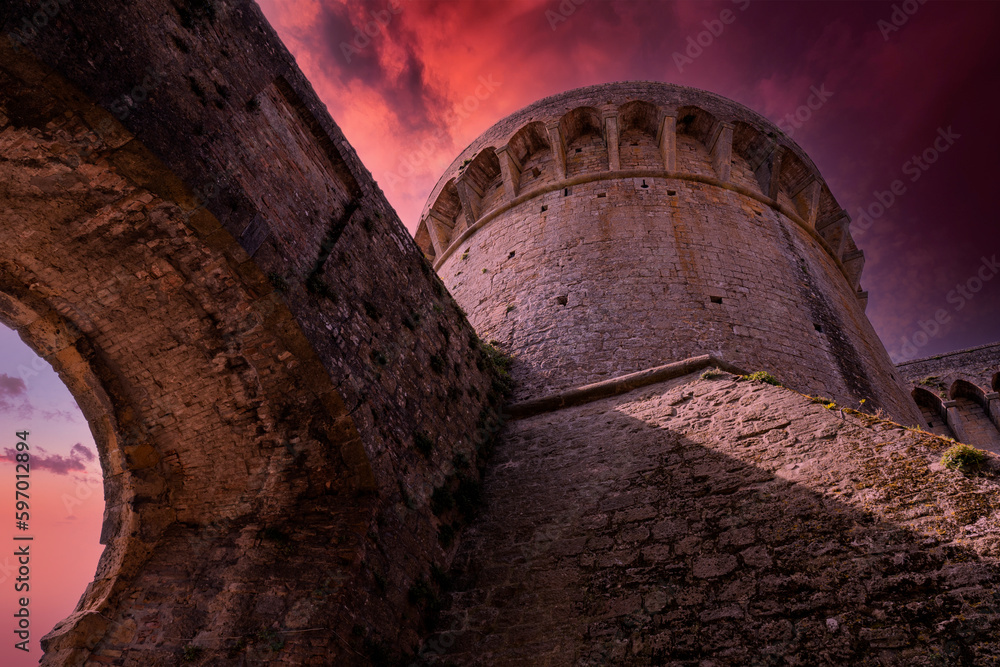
[(616, 386)]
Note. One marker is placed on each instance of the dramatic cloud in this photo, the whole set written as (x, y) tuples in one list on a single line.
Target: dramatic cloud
[(400, 77), (82, 452), (14, 396), (14, 400), (60, 465), (11, 386)]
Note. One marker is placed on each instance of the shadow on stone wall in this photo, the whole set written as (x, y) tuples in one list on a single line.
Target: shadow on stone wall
[(723, 522)]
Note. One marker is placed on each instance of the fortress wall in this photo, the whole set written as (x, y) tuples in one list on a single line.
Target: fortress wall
[(708, 521), (958, 393), (978, 365)]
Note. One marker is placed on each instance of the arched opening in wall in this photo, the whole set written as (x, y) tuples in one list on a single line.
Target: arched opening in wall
[(828, 205), (424, 242), (446, 215), (531, 150), (973, 416), (583, 132), (55, 466), (751, 153), (212, 415), (932, 410), (638, 128), (484, 181), (201, 392), (795, 183), (996, 382), (695, 127), (52, 346)]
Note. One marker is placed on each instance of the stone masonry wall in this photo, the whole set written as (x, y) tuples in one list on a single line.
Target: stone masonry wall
[(722, 522), (595, 287), (959, 390), (979, 366)]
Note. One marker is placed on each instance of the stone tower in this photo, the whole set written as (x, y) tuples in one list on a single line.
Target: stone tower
[(615, 228)]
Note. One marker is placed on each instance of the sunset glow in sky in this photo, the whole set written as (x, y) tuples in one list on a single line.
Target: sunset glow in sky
[(903, 92), (401, 78), (66, 494)]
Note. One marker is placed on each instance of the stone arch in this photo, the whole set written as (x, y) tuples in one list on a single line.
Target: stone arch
[(752, 150), (136, 498), (933, 411), (206, 401), (639, 126), (970, 416), (445, 216), (964, 389), (828, 205), (583, 133), (425, 243), (695, 129), (531, 150), (483, 183), (798, 187)]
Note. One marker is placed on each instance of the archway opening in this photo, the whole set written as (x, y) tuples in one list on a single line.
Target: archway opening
[(932, 410), (973, 413), (583, 133), (48, 454)]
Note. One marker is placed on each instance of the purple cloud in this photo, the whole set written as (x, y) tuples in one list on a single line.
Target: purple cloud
[(10, 386), (82, 452), (57, 463)]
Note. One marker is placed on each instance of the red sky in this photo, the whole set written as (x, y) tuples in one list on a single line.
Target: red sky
[(399, 97)]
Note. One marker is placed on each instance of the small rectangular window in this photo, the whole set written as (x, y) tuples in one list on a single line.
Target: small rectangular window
[(715, 299)]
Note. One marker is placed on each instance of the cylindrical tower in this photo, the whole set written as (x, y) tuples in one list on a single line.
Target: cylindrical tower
[(620, 227)]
